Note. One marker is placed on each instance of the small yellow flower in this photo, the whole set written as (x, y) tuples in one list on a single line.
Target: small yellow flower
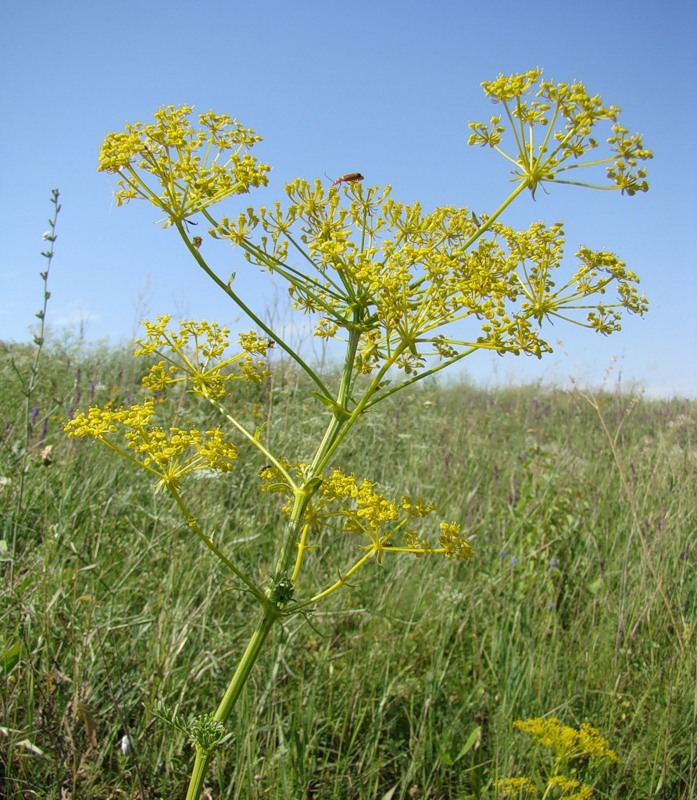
[(592, 744)]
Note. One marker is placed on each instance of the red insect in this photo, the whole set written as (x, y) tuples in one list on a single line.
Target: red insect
[(351, 177)]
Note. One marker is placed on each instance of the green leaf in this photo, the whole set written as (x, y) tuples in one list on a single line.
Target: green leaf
[(473, 740), (9, 657)]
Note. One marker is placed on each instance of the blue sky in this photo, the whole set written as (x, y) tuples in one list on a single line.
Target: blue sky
[(385, 88)]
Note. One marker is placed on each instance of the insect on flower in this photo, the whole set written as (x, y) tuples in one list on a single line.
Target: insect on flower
[(350, 177)]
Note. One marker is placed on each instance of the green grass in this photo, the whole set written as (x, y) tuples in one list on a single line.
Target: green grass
[(581, 600)]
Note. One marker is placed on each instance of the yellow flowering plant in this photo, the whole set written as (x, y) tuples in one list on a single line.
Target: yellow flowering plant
[(404, 292), (571, 752)]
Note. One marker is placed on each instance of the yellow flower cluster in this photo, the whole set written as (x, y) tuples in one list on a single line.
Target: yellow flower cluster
[(391, 275), (169, 453), (566, 742), (194, 355), (567, 116), (416, 272), (367, 511), (194, 167), (567, 745), (566, 788), (453, 543), (362, 509)]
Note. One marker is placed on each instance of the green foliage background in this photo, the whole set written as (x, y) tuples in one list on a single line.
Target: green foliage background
[(403, 685)]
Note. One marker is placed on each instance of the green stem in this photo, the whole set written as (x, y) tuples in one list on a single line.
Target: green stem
[(244, 668), (293, 546), (234, 689), (213, 547), (293, 531), (340, 582), (29, 385), (254, 441), (421, 376), (461, 251), (521, 187), (342, 431), (248, 311), (271, 613), (339, 418)]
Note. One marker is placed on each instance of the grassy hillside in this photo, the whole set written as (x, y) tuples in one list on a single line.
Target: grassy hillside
[(581, 600)]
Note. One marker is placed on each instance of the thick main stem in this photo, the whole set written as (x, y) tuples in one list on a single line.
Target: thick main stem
[(272, 612), (239, 679)]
